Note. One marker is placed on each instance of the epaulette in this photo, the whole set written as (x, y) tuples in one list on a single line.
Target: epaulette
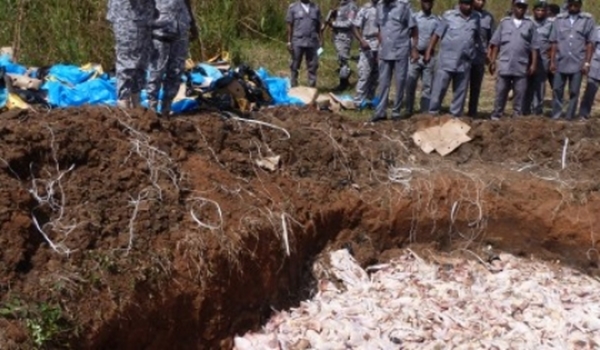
[(505, 18), (586, 15), (562, 15)]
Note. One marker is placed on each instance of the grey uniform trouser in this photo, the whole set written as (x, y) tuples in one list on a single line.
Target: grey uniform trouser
[(367, 76), (476, 81), (133, 44), (441, 82), (504, 83), (343, 44), (387, 68), (312, 64), (536, 90), (587, 101), (558, 89), (424, 71), (167, 64)]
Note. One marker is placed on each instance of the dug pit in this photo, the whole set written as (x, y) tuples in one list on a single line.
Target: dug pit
[(125, 231)]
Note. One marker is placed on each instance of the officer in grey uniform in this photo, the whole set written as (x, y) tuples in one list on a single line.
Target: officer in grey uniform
[(303, 20), (366, 32), (170, 38), (536, 85), (459, 34), (427, 23), (396, 29), (516, 41), (131, 21), (571, 51), (478, 66), (593, 81), (342, 39)]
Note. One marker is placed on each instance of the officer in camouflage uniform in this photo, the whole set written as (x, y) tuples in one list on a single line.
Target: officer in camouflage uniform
[(427, 23), (459, 34), (587, 101), (342, 39), (170, 38), (478, 66), (536, 86), (571, 51), (516, 42), (396, 29), (131, 20), (366, 32), (303, 20)]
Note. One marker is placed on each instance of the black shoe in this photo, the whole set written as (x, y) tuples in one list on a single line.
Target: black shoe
[(343, 85), (377, 119)]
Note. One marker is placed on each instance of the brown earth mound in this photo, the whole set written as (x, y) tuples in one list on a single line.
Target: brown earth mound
[(125, 231)]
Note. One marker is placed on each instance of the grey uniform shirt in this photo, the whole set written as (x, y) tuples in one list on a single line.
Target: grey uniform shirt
[(571, 40), (544, 28), (306, 25), (427, 26), (487, 23), (595, 66), (345, 16), (459, 38), (395, 22), (131, 10), (515, 45), (366, 21)]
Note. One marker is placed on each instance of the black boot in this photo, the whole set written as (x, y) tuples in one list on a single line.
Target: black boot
[(344, 84)]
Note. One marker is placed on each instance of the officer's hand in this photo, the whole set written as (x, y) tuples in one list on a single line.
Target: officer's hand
[(427, 57), (194, 34), (365, 45), (414, 55), (492, 68), (531, 70), (585, 69), (289, 46), (552, 67)]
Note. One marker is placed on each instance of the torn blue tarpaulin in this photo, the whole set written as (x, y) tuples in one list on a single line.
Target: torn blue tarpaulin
[(69, 74), (10, 66), (91, 92), (278, 88)]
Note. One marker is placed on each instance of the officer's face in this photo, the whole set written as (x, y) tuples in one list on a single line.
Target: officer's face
[(465, 8), (574, 7), (519, 10), (426, 5), (540, 13), (478, 4)]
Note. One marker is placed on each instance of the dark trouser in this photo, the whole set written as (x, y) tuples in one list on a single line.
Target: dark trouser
[(387, 68), (441, 82), (504, 83), (476, 81), (312, 64), (587, 101), (560, 80), (424, 71), (536, 90)]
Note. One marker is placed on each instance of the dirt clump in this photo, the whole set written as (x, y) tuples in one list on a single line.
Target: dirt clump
[(126, 231)]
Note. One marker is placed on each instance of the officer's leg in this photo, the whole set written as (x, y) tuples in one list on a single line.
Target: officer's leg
[(156, 69), (414, 71), (144, 45), (374, 77), (502, 89), (574, 89), (476, 80), (364, 75), (460, 85), (538, 92), (128, 57), (400, 72), (529, 94), (441, 81), (519, 89), (426, 82), (296, 59), (312, 64), (587, 101), (175, 68), (383, 91), (558, 90), (342, 47)]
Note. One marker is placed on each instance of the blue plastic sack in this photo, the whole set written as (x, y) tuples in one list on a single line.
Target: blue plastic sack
[(69, 74), (278, 88), (10, 66), (91, 92)]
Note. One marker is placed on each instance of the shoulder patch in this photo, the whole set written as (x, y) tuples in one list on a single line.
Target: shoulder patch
[(586, 15), (562, 15), (505, 18)]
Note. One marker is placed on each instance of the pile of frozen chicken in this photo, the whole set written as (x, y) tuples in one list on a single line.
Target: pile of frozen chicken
[(458, 304)]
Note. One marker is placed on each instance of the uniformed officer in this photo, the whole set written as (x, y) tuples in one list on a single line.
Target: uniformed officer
[(427, 23), (171, 38), (536, 85), (131, 21), (396, 29), (303, 20), (366, 32), (516, 41), (571, 51), (478, 66), (593, 81), (459, 34), (342, 39)]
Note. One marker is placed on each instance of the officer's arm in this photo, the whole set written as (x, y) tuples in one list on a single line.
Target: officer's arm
[(589, 47), (553, 47), (434, 40)]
